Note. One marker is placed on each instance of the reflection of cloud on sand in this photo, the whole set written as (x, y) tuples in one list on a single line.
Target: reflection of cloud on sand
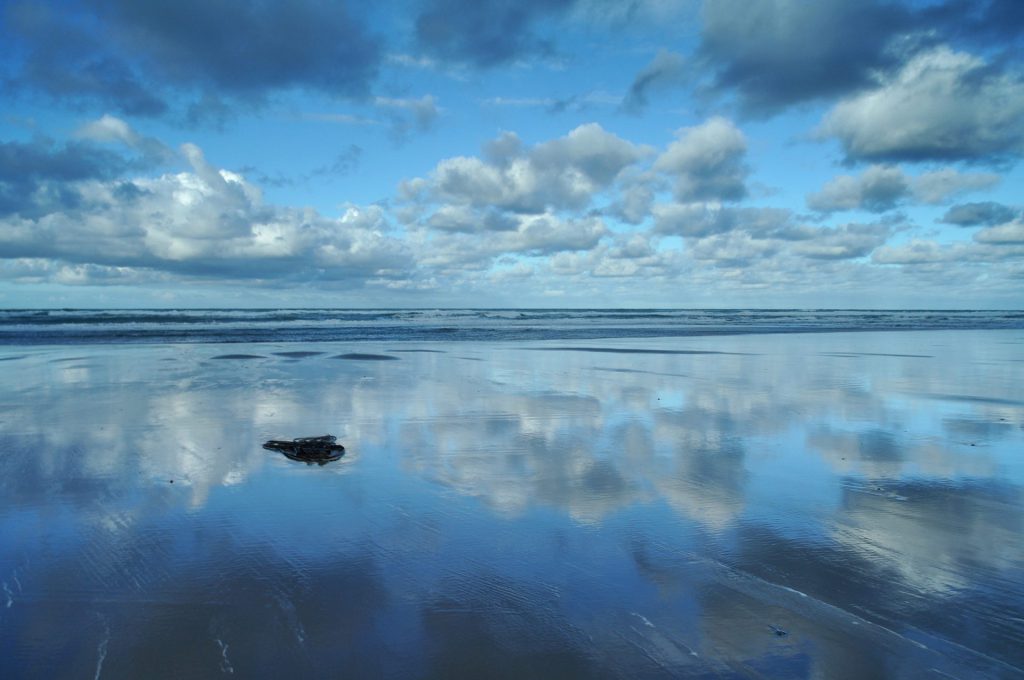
[(143, 419), (114, 440), (517, 430), (941, 567), (941, 538), (881, 454), (704, 479), (526, 450), (588, 456), (751, 622)]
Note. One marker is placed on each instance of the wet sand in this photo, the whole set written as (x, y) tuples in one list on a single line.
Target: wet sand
[(826, 505)]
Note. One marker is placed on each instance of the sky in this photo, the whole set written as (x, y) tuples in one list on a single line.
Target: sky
[(512, 153)]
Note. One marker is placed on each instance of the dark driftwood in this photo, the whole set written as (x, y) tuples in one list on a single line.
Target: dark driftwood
[(309, 450)]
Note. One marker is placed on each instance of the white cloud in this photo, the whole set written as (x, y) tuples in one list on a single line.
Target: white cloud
[(878, 189), (707, 162), (635, 200), (736, 249), (110, 129), (515, 221), (943, 185), (845, 242), (564, 173), (207, 222), (885, 187), (537, 235), (465, 219), (917, 251), (1002, 244), (699, 219), (942, 105), (1009, 233)]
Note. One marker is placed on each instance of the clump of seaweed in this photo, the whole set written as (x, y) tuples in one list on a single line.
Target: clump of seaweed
[(309, 450)]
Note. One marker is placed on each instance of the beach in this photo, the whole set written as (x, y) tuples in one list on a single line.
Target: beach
[(829, 505)]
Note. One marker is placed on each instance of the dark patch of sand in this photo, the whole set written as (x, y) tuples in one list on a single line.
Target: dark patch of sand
[(974, 400), (636, 370), (619, 350), (876, 354)]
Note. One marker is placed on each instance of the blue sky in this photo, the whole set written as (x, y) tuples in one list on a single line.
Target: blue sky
[(671, 153)]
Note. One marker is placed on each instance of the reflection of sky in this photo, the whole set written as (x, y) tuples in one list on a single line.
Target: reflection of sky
[(546, 510)]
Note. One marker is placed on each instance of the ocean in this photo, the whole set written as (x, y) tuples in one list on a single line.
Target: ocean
[(84, 326)]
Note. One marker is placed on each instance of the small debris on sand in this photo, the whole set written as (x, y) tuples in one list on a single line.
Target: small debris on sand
[(309, 450)]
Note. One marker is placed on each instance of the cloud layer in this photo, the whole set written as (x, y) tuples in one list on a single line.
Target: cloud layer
[(763, 150)]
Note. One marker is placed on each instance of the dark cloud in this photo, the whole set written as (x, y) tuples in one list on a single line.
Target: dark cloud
[(485, 33), (44, 160), (249, 47), (986, 214), (665, 70), (126, 55), (978, 22), (35, 176), (775, 53), (64, 59)]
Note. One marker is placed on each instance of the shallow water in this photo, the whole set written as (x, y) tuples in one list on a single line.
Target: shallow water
[(839, 505)]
